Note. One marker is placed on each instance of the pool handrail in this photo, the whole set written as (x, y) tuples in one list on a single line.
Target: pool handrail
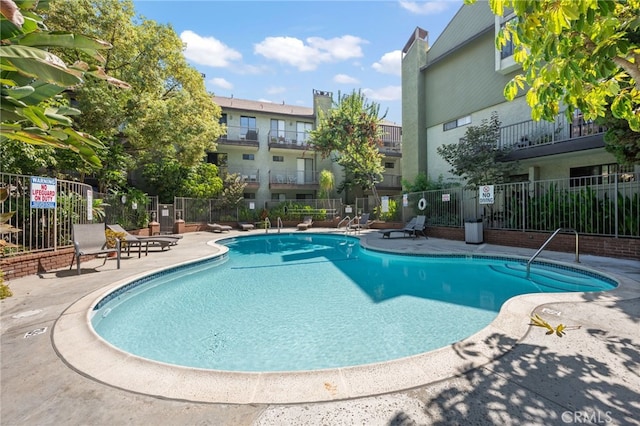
[(547, 242), (347, 218)]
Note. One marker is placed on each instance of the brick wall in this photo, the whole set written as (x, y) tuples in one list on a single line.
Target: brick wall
[(624, 248), (34, 263)]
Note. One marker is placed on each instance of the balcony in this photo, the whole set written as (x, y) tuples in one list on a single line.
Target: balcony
[(390, 182), (240, 136), (391, 141), (251, 177), (530, 139), (293, 179), (287, 139), (391, 148)]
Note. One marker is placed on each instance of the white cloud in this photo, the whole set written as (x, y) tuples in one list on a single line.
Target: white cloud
[(274, 90), (221, 83), (345, 79), (307, 57), (424, 8), (390, 63), (389, 93), (208, 50)]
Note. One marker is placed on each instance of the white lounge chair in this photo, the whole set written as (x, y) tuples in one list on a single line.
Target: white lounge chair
[(216, 227), (305, 224)]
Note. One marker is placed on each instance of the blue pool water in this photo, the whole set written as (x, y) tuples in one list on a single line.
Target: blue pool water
[(302, 302)]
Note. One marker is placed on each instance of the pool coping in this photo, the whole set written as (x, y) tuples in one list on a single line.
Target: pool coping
[(84, 351)]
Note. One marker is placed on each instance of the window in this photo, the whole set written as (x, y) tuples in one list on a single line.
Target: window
[(248, 157), (249, 195), (278, 158), (247, 123), (462, 121), (277, 130), (389, 165), (217, 158), (601, 174), (303, 130), (507, 49)]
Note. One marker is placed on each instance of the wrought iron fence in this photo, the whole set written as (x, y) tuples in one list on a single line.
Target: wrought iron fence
[(35, 223), (595, 205)]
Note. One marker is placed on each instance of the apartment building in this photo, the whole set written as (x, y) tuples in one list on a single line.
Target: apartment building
[(267, 144), (459, 80)]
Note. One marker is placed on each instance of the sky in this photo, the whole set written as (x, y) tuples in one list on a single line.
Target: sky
[(280, 51)]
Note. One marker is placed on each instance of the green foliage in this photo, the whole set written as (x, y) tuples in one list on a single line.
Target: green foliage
[(290, 210), (232, 192), (168, 114), (165, 179), (580, 209), (97, 209), (123, 213), (620, 140), (581, 53), (5, 291), (477, 158), (202, 182), (424, 183), (32, 76), (327, 183), (351, 134), (393, 213)]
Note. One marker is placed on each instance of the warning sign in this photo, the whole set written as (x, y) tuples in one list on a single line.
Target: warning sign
[(43, 192), (486, 194)]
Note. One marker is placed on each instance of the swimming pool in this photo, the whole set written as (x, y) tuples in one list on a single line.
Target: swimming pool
[(292, 302)]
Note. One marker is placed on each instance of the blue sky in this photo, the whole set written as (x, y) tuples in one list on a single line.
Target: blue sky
[(279, 51)]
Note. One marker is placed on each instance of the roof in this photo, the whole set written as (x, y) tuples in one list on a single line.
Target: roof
[(262, 106)]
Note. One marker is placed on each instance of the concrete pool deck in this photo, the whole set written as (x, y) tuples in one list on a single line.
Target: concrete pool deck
[(593, 372)]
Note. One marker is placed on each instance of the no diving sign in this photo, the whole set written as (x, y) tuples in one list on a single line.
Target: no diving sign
[(486, 194)]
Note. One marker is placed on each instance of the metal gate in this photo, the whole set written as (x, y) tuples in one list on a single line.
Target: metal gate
[(166, 218)]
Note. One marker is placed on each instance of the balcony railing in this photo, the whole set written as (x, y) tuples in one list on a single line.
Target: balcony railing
[(390, 181), (238, 135), (533, 133), (391, 148), (288, 139), (292, 177)]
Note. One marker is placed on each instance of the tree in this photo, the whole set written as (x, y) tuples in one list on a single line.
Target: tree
[(620, 140), (327, 183), (582, 53), (232, 192), (424, 183), (167, 114), (202, 182), (33, 78), (351, 133), (477, 158)]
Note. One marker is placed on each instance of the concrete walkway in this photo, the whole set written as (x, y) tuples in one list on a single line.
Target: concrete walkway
[(591, 375)]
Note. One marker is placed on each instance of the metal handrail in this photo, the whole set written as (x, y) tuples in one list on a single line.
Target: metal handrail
[(548, 241), (279, 224), (347, 218), (267, 225)]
